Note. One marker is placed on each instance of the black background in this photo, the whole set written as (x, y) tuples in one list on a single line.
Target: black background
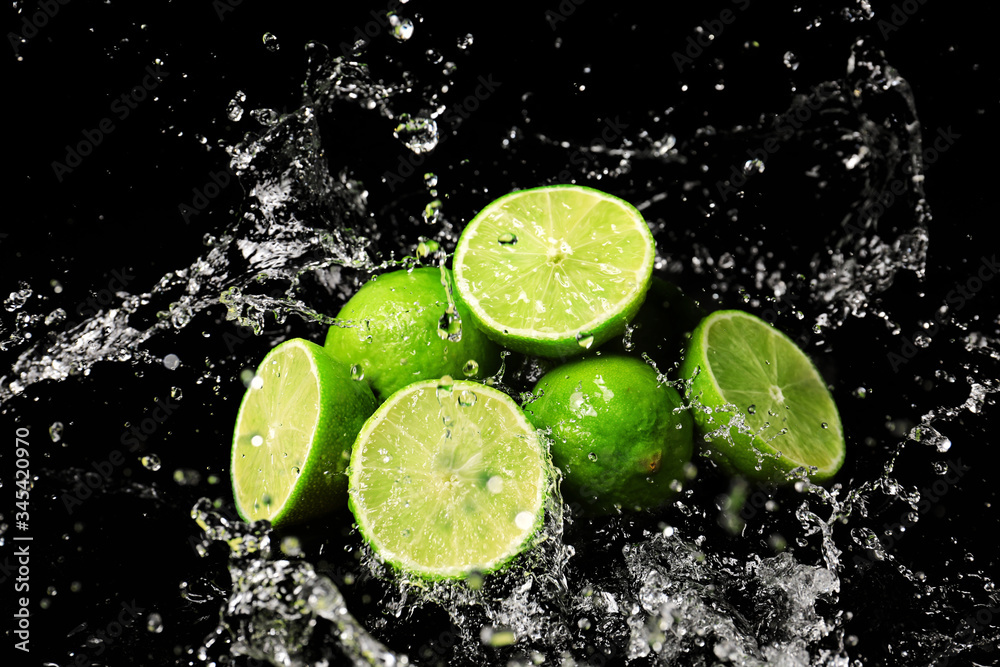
[(119, 210)]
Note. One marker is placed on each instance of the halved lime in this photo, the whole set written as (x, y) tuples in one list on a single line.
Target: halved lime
[(448, 478), (293, 435), (556, 270), (765, 409)]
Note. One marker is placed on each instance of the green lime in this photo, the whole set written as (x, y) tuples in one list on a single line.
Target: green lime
[(293, 435), (448, 478), (619, 435), (554, 271), (400, 328), (766, 410)]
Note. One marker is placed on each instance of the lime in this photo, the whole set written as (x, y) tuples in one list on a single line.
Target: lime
[(620, 436), (400, 328), (556, 270), (293, 435), (766, 409), (448, 478)]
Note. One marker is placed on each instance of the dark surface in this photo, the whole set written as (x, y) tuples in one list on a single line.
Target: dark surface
[(119, 211)]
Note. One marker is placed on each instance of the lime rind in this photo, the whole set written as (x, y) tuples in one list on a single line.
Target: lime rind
[(747, 430), (428, 515), (534, 258)]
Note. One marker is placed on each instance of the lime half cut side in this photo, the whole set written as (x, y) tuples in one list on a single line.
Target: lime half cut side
[(556, 270), (293, 435), (754, 382), (448, 478)]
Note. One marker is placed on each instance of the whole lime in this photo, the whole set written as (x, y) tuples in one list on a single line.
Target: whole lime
[(400, 328), (620, 437)]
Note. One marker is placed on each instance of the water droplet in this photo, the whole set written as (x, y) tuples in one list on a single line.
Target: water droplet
[(150, 461), (418, 133), (584, 340), (824, 425), (56, 431), (357, 373), (57, 316), (474, 581), (266, 117), (256, 440), (752, 409), (234, 110), (524, 520), (154, 623), (791, 60), (402, 27), (753, 166), (432, 212), (426, 247), (296, 471), (445, 386), (465, 42), (17, 299), (291, 545), (592, 456), (176, 392), (467, 398), (471, 368), (187, 477), (171, 361), (270, 42), (494, 484), (257, 382), (430, 180), (507, 238)]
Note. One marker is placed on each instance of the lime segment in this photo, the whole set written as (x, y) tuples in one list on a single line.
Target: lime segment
[(766, 409), (293, 435), (555, 270), (448, 478)]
